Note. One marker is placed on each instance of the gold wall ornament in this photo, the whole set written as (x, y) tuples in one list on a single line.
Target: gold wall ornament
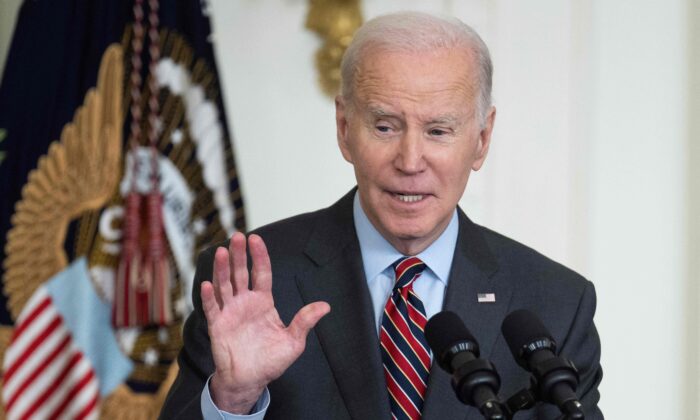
[(79, 173), (77, 183), (125, 404), (336, 22)]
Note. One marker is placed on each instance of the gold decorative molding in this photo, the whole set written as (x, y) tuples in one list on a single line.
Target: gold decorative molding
[(335, 21)]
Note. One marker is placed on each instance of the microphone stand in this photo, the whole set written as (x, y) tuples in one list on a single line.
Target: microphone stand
[(526, 399)]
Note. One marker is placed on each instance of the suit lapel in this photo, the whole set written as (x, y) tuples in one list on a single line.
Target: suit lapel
[(472, 269), (347, 335)]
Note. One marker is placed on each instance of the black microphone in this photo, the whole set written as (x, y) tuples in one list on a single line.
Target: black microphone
[(534, 349), (474, 380)]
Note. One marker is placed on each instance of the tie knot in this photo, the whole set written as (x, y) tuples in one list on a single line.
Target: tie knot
[(407, 269)]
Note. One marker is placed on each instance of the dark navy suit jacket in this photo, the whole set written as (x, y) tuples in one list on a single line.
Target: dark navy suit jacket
[(316, 256)]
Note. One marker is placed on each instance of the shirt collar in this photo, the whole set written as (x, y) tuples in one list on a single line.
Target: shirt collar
[(378, 253)]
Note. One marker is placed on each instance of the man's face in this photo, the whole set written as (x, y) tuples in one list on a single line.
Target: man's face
[(413, 135)]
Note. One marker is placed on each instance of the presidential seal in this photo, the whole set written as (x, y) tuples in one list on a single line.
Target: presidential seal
[(142, 179)]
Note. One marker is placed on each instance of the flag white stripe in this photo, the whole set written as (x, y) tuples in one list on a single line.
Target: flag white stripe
[(29, 397), (94, 414), (33, 330), (81, 400), (37, 357), (36, 298), (78, 371)]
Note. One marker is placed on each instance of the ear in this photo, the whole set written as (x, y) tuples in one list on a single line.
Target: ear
[(484, 139), (341, 125)]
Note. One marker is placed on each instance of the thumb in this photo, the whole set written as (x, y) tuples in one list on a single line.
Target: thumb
[(306, 319)]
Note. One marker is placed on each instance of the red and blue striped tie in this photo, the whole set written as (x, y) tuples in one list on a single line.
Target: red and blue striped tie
[(405, 351)]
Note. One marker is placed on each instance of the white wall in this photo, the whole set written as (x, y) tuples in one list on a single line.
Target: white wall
[(692, 312), (636, 200), (284, 129)]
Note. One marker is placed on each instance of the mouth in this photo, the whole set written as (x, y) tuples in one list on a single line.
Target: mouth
[(409, 198)]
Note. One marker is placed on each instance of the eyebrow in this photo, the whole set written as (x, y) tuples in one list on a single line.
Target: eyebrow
[(380, 112), (444, 119)]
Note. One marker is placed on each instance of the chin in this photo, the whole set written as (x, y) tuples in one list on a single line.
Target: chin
[(409, 233)]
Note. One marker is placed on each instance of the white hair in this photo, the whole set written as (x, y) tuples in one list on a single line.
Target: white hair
[(418, 32)]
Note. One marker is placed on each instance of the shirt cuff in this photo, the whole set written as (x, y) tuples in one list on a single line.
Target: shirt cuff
[(211, 412)]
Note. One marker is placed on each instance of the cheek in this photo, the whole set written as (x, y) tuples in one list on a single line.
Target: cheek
[(367, 171), (455, 171), (371, 162)]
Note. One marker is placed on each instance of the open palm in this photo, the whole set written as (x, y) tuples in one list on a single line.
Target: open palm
[(250, 344)]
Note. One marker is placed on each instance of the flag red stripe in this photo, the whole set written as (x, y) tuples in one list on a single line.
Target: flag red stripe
[(30, 349), (39, 369), (43, 304), (88, 408), (41, 399), (89, 375)]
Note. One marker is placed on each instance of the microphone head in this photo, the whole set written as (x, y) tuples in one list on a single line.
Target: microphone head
[(525, 334), (447, 335)]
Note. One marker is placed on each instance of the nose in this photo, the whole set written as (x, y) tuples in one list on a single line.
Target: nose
[(410, 158)]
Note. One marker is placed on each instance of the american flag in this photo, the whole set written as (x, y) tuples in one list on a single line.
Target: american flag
[(486, 297), (62, 357), (46, 375)]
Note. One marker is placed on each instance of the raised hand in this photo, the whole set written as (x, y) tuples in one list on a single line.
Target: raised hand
[(250, 344)]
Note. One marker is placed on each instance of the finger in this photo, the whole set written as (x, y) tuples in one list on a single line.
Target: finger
[(222, 277), (262, 270), (209, 303), (240, 262), (306, 319)]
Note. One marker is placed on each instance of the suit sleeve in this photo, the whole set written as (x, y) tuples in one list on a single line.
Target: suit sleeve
[(194, 361), (582, 346)]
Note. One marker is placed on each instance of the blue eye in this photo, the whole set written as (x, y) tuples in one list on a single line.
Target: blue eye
[(383, 128), (437, 132)]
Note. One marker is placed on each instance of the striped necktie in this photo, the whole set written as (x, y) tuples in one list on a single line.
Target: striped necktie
[(405, 351)]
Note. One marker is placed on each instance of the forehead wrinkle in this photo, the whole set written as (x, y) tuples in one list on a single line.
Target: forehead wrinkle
[(370, 76), (378, 93)]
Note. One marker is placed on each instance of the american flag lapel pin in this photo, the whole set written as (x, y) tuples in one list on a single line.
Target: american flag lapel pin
[(486, 297)]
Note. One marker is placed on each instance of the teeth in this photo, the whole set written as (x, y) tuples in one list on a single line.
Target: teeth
[(409, 198)]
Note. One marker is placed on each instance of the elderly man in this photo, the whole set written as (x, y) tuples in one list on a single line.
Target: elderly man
[(338, 333)]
